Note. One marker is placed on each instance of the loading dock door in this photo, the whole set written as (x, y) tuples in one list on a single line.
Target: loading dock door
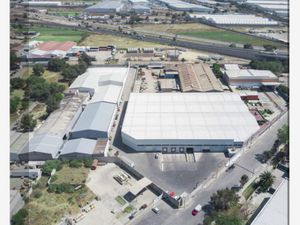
[(189, 150)]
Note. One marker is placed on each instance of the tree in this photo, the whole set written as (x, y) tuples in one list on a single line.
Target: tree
[(75, 163), (14, 60), (14, 104), (87, 163), (19, 217), (27, 123), (224, 199), (38, 69), (216, 68), (266, 180), (24, 104), (244, 179), (270, 47), (283, 134), (56, 64), (228, 220), (52, 104), (17, 83), (275, 66), (37, 88), (183, 60), (232, 45), (248, 46), (69, 73), (50, 165), (86, 58)]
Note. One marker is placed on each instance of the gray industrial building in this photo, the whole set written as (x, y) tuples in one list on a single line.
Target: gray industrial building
[(78, 148), (108, 6), (95, 121), (16, 202), (48, 139), (41, 147)]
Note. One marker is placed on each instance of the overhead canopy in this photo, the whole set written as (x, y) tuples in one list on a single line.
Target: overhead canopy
[(140, 185)]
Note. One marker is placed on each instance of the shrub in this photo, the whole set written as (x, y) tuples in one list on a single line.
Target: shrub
[(75, 163), (87, 163), (19, 217), (37, 194)]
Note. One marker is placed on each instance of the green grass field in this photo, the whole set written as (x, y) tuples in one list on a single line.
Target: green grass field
[(55, 34), (199, 30), (227, 36)]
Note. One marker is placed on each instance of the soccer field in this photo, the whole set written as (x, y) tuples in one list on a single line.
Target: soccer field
[(55, 34)]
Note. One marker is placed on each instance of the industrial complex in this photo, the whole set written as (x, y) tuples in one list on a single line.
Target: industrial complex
[(149, 112)]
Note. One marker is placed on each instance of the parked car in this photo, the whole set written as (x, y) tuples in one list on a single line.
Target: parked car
[(230, 168), (196, 210), (156, 210), (144, 206)]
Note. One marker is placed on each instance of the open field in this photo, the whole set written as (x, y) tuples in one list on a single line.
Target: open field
[(207, 32), (71, 175), (55, 34), (51, 77), (54, 206), (120, 42)]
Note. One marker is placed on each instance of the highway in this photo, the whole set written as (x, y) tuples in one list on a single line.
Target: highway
[(164, 38), (247, 164)]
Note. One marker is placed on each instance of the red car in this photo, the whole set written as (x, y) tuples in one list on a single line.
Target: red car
[(196, 210)]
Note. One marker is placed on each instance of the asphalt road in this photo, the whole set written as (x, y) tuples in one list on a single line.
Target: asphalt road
[(246, 163)]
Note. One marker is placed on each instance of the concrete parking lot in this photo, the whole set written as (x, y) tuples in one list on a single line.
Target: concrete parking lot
[(109, 210)]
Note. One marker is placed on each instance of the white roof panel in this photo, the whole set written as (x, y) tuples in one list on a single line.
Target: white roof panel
[(210, 116)]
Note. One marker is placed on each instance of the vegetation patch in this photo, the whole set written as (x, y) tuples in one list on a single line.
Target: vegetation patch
[(128, 209), (63, 198), (120, 200), (249, 190), (120, 42)]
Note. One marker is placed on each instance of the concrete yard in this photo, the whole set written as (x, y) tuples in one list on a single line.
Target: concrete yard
[(102, 183), (172, 173)]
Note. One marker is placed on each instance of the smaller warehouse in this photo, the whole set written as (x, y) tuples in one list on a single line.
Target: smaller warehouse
[(83, 148), (248, 78), (167, 85), (95, 121), (41, 3), (197, 78), (234, 19), (107, 6), (47, 50)]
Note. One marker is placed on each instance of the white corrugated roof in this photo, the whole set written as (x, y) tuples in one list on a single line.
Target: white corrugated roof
[(99, 76), (231, 67), (206, 116), (275, 212), (234, 19), (250, 74), (107, 93)]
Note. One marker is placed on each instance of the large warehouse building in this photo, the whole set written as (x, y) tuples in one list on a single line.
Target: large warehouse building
[(234, 19), (107, 6), (185, 6), (186, 122)]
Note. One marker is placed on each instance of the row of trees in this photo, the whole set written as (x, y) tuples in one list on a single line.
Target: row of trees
[(220, 203), (275, 66)]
